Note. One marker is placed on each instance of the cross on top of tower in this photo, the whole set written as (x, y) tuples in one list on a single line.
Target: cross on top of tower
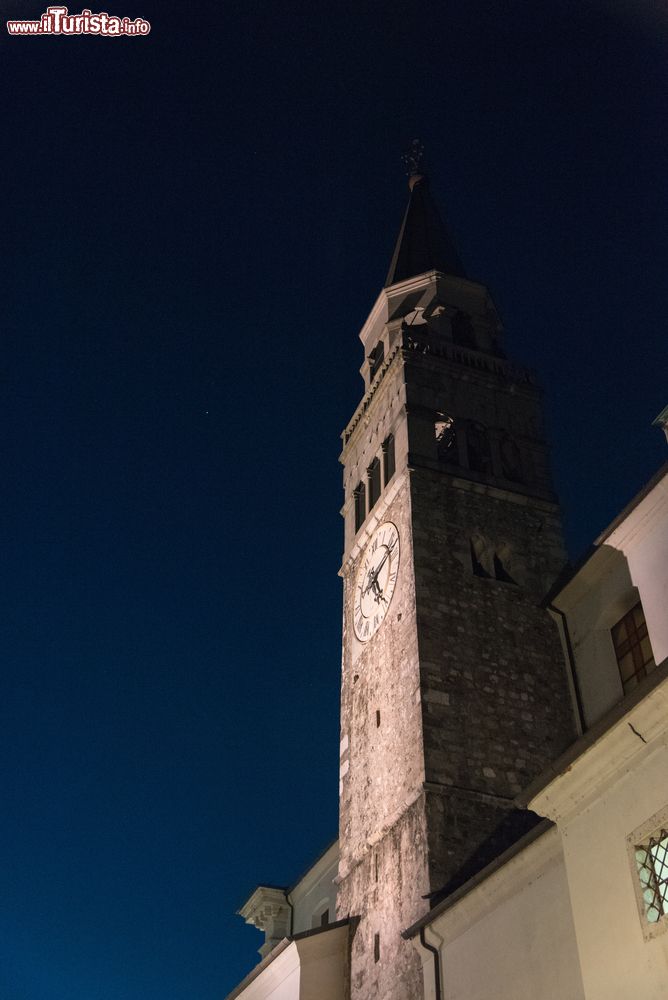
[(413, 158), (424, 243)]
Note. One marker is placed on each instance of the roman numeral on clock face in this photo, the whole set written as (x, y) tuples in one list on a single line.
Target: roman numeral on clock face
[(376, 580)]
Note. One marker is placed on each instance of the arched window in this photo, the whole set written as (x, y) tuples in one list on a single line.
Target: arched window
[(482, 555), (511, 462), (446, 438), (477, 448), (388, 458), (503, 563), (462, 330), (321, 914), (373, 474), (360, 505)]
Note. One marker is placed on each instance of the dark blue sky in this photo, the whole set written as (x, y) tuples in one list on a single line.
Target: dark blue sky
[(195, 226)]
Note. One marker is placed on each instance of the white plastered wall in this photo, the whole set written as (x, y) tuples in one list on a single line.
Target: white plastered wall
[(512, 937), (612, 790), (315, 892), (630, 564)]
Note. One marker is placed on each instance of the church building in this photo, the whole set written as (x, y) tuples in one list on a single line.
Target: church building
[(503, 792)]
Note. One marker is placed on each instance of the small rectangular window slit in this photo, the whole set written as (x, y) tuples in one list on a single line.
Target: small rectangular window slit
[(377, 718), (376, 947)]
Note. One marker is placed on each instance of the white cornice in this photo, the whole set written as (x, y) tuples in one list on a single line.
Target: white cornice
[(402, 288), (638, 734), (263, 896), (376, 312), (315, 872), (359, 418), (641, 520)]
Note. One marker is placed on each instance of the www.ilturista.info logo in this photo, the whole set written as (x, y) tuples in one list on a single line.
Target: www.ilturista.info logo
[(57, 21)]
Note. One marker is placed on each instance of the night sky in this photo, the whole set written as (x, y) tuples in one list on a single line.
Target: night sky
[(196, 225)]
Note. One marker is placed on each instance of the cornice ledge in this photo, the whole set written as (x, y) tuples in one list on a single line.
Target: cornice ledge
[(578, 782), (364, 404), (418, 343), (262, 896), (376, 310)]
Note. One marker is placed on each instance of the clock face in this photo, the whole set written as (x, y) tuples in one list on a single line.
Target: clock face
[(375, 581)]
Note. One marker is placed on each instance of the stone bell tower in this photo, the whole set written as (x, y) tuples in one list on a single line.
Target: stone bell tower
[(454, 692)]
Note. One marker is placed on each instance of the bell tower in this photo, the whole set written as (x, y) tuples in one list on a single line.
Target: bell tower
[(454, 692)]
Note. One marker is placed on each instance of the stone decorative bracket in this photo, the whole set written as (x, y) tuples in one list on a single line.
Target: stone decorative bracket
[(662, 421), (269, 910)]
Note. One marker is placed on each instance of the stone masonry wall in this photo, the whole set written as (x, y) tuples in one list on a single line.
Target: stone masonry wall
[(461, 697), (384, 890), (383, 831), (382, 765), (496, 707)]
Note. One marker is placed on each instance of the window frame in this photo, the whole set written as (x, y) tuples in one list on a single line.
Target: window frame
[(635, 841), (631, 646)]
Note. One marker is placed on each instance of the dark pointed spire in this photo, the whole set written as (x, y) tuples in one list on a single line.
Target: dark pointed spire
[(423, 244)]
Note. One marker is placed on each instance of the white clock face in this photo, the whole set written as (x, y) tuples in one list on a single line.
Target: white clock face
[(375, 581)]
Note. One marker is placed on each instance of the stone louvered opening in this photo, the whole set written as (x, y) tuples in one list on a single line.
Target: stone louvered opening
[(478, 450), (511, 460), (491, 562), (463, 333), (477, 556)]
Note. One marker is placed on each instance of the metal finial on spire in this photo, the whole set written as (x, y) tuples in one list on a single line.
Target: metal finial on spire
[(424, 243), (413, 158)]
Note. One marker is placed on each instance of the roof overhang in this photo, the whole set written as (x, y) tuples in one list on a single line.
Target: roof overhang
[(308, 966), (606, 750)]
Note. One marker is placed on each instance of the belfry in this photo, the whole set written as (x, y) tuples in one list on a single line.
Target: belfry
[(454, 693), (503, 814)]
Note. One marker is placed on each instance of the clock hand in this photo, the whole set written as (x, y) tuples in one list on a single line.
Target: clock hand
[(373, 582), (371, 579), (373, 575)]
